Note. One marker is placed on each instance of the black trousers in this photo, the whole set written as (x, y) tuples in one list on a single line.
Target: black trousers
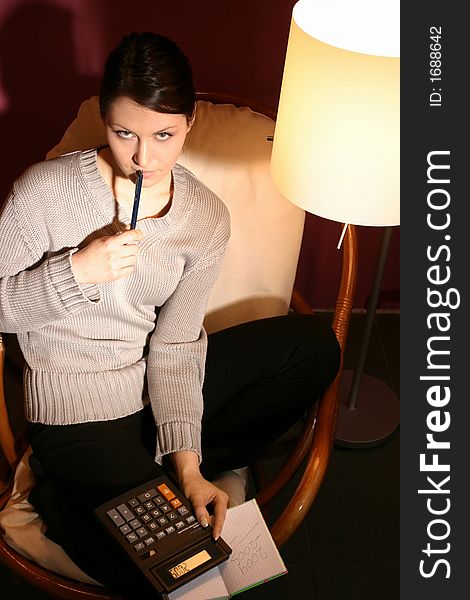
[(260, 378)]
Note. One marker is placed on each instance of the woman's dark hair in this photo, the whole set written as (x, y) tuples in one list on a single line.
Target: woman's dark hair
[(151, 70)]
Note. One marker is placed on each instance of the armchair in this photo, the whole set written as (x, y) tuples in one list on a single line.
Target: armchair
[(229, 149)]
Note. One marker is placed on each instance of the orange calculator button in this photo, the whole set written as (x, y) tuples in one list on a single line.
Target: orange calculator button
[(165, 491), (176, 503)]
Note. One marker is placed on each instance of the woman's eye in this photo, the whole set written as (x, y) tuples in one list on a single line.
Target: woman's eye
[(163, 135), (126, 135)]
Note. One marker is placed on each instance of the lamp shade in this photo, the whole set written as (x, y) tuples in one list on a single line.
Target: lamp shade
[(336, 150)]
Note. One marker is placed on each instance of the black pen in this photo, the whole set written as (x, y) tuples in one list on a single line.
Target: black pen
[(135, 208)]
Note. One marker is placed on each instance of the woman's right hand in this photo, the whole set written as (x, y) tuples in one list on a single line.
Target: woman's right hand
[(199, 491), (107, 258)]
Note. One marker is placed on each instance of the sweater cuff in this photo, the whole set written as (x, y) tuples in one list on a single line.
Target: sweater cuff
[(173, 437), (71, 293)]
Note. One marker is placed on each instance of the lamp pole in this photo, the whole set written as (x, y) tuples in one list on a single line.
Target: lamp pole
[(369, 410)]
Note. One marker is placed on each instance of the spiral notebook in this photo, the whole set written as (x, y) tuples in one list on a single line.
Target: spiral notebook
[(254, 559)]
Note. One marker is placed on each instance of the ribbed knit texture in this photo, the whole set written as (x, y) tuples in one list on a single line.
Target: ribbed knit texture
[(84, 345)]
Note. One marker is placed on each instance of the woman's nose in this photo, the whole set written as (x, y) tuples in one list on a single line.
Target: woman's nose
[(142, 154)]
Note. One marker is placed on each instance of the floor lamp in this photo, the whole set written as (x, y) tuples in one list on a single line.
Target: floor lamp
[(336, 154)]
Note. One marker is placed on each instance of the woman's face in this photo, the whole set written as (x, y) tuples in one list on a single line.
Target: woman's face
[(143, 139)]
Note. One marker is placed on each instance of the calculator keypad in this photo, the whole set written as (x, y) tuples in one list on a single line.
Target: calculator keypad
[(150, 517)]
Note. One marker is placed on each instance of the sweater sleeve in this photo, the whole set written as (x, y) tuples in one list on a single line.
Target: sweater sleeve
[(176, 360), (34, 291)]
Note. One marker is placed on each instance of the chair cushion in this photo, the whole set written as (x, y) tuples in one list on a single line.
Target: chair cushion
[(23, 529)]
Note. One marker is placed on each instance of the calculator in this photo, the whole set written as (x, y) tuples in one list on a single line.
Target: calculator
[(156, 526)]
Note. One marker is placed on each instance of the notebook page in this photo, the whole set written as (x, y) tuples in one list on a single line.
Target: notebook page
[(208, 586), (255, 558)]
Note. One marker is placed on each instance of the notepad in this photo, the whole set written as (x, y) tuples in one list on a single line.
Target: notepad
[(254, 559)]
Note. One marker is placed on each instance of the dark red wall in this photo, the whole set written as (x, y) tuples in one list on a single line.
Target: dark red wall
[(51, 54)]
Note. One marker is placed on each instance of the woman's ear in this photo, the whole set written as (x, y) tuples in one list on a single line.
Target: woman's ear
[(193, 117)]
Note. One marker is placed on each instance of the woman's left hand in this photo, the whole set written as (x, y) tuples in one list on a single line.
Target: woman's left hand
[(200, 492)]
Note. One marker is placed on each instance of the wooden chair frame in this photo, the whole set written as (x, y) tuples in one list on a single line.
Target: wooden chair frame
[(314, 443)]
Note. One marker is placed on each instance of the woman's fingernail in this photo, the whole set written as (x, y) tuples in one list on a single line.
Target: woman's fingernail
[(203, 521)]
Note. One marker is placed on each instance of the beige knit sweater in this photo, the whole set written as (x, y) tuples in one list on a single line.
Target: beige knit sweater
[(89, 349)]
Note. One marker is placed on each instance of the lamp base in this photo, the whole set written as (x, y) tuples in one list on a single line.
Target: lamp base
[(375, 418)]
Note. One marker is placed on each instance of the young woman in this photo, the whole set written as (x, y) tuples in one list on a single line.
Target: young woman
[(121, 381)]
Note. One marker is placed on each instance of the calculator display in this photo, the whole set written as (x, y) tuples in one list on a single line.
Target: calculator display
[(189, 564)]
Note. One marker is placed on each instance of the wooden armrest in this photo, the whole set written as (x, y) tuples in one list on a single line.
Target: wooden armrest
[(319, 430), (57, 585), (7, 440), (299, 304)]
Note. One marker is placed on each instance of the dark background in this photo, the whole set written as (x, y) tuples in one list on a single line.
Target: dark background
[(51, 56)]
